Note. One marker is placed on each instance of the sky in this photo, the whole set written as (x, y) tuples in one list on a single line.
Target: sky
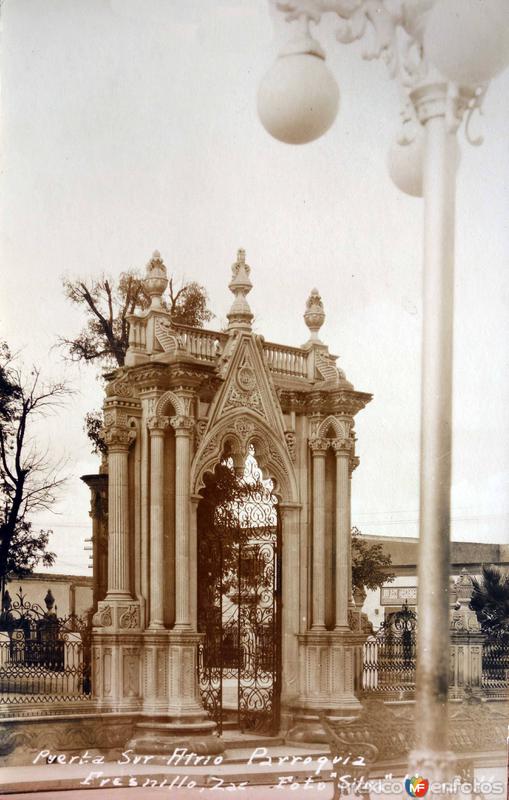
[(131, 125)]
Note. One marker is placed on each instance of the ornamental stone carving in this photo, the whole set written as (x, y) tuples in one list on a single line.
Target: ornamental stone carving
[(318, 445), (155, 280), (130, 618), (238, 398), (246, 378), (290, 443), (119, 438), (353, 464), (200, 429), (314, 316), (181, 423), (102, 618), (342, 445), (245, 428), (167, 337), (158, 423)]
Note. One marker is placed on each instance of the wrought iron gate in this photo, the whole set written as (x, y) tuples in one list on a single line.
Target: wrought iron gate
[(239, 557)]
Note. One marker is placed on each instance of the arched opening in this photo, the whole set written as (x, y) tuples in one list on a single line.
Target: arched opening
[(239, 595)]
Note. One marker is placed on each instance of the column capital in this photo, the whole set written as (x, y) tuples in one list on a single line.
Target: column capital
[(441, 99), (342, 446), (118, 438), (182, 424), (319, 446), (157, 424)]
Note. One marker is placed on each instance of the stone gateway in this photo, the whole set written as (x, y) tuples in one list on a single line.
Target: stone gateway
[(225, 591)]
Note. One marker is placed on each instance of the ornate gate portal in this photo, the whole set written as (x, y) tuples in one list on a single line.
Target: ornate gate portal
[(239, 558), (195, 628)]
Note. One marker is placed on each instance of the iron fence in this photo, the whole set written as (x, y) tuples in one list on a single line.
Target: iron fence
[(43, 658), (389, 655), (495, 666), (389, 660)]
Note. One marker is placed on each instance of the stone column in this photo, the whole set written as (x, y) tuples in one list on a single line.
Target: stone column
[(98, 485), (193, 556), (118, 441), (319, 449), (182, 426), (290, 611), (157, 427), (352, 465), (342, 449)]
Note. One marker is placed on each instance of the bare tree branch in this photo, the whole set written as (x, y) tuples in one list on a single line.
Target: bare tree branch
[(29, 479)]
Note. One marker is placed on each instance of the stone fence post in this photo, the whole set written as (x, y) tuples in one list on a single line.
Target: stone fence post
[(5, 648), (73, 659), (465, 674)]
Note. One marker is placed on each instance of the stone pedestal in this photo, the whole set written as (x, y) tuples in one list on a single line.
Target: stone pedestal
[(465, 664), (327, 678), (173, 715), (116, 649)]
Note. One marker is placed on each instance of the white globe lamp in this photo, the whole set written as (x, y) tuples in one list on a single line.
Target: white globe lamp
[(298, 98), (468, 40), (405, 163)]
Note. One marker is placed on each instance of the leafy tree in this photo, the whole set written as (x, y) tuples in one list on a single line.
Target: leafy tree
[(370, 564), (29, 479), (107, 304), (490, 601), (93, 428), (105, 337)]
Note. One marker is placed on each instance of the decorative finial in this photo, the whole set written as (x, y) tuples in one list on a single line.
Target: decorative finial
[(49, 602), (314, 316), (240, 316), (155, 281)]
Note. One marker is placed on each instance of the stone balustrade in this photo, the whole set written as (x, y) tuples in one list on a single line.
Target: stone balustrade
[(137, 333), (285, 360), (200, 343)]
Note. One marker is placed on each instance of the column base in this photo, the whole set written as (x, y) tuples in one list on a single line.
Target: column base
[(328, 663), (161, 735), (438, 766)]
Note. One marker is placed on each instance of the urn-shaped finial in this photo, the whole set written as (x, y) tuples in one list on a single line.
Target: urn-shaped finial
[(155, 281), (314, 316), (240, 315), (49, 602)]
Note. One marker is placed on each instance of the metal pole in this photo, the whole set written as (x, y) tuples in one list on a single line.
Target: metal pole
[(431, 752)]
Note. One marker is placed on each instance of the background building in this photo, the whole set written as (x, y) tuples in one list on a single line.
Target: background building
[(403, 550)]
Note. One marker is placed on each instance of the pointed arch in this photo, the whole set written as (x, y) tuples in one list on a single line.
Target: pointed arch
[(341, 429), (237, 431), (167, 400)]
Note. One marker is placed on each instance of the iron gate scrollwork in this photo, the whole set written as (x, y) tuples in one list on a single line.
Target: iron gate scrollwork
[(239, 557)]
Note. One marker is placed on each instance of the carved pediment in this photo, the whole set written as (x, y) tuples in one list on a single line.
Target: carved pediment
[(248, 385)]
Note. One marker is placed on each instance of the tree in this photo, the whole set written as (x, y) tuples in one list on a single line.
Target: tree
[(490, 601), (107, 305), (105, 337), (370, 565), (29, 479)]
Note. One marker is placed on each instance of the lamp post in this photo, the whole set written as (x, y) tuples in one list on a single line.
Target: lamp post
[(442, 53)]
